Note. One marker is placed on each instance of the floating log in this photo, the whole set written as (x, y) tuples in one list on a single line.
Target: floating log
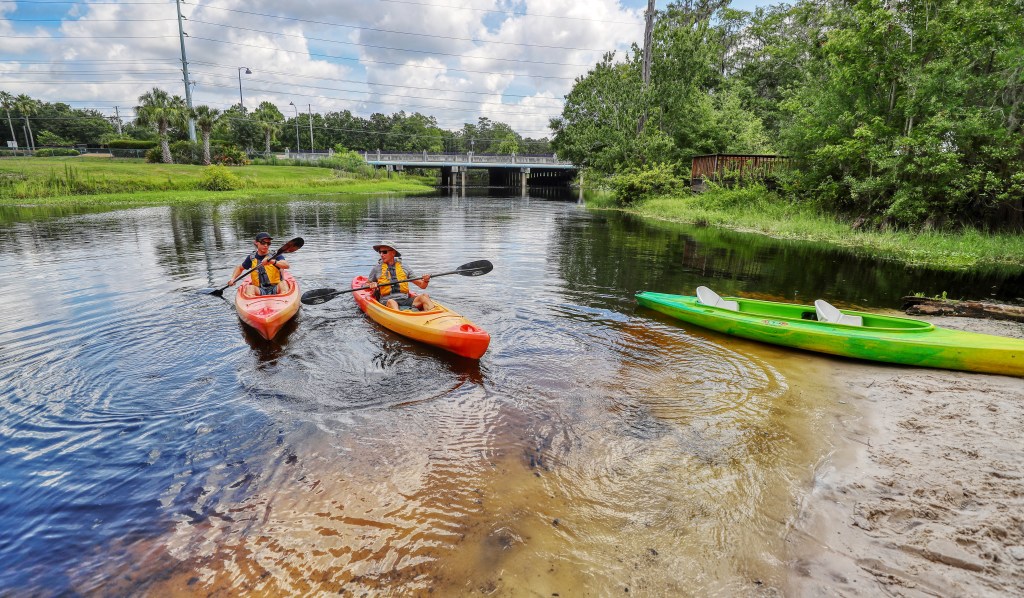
[(923, 306)]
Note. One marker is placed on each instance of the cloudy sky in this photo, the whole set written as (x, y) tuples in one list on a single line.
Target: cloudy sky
[(456, 60)]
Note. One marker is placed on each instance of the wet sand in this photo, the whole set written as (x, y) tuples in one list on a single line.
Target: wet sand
[(924, 495)]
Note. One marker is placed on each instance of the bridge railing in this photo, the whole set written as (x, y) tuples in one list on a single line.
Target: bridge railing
[(467, 158)]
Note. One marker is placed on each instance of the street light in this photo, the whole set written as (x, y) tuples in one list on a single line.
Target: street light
[(312, 146), (298, 144), (247, 72)]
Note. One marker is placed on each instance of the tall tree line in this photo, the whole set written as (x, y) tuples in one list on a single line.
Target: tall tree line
[(163, 117), (905, 112)]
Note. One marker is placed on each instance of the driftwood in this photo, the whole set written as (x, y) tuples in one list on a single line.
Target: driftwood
[(924, 306)]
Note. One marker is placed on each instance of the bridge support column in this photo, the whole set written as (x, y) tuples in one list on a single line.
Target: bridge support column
[(524, 173), (464, 173)]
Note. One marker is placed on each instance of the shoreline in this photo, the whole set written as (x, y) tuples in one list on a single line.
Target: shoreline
[(924, 492), (750, 212)]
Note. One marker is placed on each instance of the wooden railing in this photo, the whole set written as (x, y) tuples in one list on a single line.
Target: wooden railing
[(736, 166)]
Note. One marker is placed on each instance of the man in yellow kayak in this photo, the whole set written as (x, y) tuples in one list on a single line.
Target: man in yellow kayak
[(266, 279), (390, 268)]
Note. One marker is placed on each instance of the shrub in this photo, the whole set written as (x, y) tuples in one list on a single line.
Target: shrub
[(218, 178), (186, 152), (59, 151), (635, 184), (154, 155), (228, 155)]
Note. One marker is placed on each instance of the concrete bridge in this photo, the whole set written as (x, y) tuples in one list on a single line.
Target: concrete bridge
[(510, 170)]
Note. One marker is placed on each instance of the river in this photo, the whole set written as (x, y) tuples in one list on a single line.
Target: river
[(152, 444)]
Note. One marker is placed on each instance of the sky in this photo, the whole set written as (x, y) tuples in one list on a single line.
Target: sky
[(512, 61)]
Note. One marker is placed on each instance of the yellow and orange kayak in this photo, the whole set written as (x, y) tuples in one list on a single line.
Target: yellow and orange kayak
[(440, 327), (268, 313)]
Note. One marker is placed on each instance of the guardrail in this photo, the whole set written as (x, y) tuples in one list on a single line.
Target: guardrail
[(467, 158)]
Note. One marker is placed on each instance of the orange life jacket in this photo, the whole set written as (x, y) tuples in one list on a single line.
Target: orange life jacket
[(384, 289), (273, 274)]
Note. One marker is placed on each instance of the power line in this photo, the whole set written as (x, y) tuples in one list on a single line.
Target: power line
[(362, 60), (362, 45), (476, 102), (292, 75), (508, 12), (310, 95), (435, 36)]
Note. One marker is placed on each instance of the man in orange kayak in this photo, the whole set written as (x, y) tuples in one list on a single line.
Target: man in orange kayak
[(390, 268), (266, 279)]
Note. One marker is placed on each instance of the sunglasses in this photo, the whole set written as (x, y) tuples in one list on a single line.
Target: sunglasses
[(385, 251), (264, 242)]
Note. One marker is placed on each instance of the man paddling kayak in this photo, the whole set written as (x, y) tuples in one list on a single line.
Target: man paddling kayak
[(390, 268), (266, 279)]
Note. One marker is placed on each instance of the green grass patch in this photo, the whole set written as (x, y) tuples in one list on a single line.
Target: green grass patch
[(757, 210), (49, 181)]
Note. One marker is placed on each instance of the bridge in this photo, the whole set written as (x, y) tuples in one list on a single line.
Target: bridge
[(510, 170)]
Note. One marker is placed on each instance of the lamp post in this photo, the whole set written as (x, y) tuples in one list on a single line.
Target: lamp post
[(298, 144), (247, 72), (312, 147)]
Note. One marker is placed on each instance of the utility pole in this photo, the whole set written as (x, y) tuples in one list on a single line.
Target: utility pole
[(648, 36), (117, 119), (312, 147), (184, 71)]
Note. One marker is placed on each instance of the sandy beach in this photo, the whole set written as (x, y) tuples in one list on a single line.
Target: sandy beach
[(924, 494)]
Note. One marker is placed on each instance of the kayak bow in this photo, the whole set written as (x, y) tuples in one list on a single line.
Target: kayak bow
[(268, 313)]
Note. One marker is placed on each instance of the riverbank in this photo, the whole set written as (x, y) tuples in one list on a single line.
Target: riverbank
[(125, 183), (756, 210), (924, 495)]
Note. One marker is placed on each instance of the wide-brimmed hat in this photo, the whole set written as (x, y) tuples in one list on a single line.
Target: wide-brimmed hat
[(387, 244)]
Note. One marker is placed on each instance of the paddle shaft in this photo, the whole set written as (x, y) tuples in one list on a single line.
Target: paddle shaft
[(391, 282), (248, 272)]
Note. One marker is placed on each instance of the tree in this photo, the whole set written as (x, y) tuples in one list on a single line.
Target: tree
[(7, 101), (268, 118), (206, 118), (27, 107), (159, 109)]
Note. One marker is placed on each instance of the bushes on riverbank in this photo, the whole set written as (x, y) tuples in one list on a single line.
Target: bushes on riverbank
[(756, 209)]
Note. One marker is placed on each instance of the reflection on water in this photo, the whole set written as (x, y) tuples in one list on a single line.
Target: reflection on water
[(154, 444)]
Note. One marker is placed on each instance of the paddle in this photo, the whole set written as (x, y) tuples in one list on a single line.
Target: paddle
[(288, 247), (318, 296)]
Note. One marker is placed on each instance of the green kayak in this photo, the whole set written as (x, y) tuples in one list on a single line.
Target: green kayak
[(866, 336)]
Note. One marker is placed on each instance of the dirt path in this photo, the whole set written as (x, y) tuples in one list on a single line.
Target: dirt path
[(925, 497)]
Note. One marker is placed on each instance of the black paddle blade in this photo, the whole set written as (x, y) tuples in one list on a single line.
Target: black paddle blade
[(318, 296), (293, 245), (477, 268)]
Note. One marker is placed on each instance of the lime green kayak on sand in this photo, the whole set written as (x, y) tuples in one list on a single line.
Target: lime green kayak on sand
[(876, 337)]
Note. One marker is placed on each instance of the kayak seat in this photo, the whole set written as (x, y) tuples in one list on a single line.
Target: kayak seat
[(710, 298), (828, 313)]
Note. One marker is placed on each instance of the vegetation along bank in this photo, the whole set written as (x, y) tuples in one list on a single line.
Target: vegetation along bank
[(901, 125)]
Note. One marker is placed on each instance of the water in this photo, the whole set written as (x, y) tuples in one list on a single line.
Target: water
[(153, 444)]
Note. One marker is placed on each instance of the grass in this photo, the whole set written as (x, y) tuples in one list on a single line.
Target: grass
[(756, 210), (122, 182)]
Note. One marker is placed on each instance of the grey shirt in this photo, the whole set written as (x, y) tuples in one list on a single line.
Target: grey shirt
[(376, 271)]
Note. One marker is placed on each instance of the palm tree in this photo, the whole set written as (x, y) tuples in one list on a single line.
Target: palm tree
[(7, 101), (27, 107), (159, 109), (206, 118), (269, 120)]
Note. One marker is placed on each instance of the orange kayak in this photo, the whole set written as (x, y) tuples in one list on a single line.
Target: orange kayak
[(440, 327), (268, 313)]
